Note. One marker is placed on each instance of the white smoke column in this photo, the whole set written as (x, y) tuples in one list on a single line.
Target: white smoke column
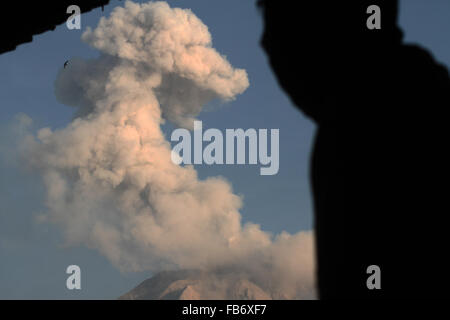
[(111, 184)]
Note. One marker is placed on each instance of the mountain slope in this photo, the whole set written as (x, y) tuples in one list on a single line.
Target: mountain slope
[(197, 285)]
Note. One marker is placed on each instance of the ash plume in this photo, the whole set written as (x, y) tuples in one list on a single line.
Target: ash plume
[(110, 182)]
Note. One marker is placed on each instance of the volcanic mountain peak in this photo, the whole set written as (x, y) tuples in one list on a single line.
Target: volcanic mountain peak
[(197, 285)]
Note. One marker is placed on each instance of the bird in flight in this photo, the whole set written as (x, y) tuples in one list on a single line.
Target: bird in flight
[(66, 63)]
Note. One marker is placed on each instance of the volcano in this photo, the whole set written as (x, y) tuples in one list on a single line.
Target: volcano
[(199, 285)]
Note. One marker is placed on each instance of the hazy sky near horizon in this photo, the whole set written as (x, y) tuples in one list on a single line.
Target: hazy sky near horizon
[(32, 260)]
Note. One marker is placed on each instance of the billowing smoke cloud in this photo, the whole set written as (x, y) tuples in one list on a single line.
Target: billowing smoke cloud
[(111, 184)]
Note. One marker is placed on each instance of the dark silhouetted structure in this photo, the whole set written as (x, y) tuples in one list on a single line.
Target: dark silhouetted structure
[(21, 20), (379, 166)]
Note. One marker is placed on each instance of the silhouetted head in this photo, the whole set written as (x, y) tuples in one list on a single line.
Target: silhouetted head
[(316, 47)]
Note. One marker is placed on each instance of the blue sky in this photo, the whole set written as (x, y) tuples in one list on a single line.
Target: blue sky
[(32, 260)]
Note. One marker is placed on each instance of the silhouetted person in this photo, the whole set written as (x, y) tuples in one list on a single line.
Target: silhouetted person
[(379, 165)]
